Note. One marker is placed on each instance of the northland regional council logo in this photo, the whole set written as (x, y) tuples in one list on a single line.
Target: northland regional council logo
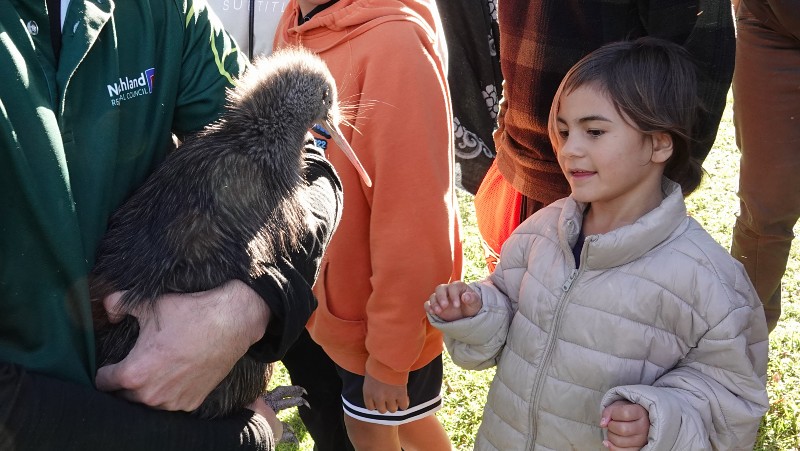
[(128, 88)]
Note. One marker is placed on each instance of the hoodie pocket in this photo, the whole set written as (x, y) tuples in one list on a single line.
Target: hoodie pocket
[(337, 335)]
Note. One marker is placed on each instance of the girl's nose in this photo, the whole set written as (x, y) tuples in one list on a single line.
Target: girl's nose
[(570, 148)]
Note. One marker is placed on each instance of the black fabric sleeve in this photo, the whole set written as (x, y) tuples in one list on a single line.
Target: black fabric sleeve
[(711, 41), (286, 287), (44, 413), (713, 47)]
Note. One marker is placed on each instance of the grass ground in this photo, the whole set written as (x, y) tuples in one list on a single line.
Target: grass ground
[(714, 205)]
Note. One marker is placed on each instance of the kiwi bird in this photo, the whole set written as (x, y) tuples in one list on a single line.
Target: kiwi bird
[(223, 206)]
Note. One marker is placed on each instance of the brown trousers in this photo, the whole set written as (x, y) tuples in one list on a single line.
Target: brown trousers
[(766, 90)]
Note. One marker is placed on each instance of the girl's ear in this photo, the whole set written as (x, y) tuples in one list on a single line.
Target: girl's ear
[(662, 147)]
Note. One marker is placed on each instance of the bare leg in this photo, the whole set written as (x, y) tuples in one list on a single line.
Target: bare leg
[(371, 436), (425, 434)]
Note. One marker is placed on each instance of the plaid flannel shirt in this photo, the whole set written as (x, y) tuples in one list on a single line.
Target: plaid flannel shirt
[(542, 39)]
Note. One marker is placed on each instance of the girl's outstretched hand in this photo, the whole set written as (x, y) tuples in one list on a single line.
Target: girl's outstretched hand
[(454, 301)]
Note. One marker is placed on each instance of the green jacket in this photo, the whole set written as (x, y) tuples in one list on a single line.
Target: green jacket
[(76, 138)]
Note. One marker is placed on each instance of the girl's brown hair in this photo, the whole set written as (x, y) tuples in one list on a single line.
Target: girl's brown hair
[(654, 83)]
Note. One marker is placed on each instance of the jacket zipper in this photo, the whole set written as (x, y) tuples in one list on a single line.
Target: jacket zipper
[(551, 342)]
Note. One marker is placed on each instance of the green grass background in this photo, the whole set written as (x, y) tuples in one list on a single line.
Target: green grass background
[(715, 206)]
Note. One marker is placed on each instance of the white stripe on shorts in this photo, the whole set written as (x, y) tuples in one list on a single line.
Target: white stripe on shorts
[(395, 418)]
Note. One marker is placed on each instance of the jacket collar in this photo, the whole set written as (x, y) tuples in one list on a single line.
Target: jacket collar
[(628, 243)]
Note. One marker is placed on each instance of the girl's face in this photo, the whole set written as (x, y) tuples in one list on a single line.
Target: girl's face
[(607, 162)]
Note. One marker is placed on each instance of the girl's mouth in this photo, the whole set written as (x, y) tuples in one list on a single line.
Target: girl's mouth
[(578, 174)]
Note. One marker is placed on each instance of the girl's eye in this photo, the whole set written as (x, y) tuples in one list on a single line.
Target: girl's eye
[(594, 133), (563, 134)]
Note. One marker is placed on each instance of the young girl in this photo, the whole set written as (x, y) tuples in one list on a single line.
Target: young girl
[(613, 318)]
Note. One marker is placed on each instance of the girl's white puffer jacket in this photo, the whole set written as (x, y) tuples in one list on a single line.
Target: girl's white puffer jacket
[(657, 313)]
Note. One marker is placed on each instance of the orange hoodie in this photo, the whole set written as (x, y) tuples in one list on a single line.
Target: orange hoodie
[(398, 239)]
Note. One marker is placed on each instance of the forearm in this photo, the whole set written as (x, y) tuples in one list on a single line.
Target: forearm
[(286, 287), (684, 416), (398, 334), (717, 393), (42, 413)]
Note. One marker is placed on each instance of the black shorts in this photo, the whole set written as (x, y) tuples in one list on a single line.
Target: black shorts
[(424, 393)]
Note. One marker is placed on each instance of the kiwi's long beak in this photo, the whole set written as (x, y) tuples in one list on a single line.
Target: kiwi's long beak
[(338, 138)]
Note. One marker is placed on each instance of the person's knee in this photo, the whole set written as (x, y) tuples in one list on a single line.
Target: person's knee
[(771, 215), (743, 227)]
